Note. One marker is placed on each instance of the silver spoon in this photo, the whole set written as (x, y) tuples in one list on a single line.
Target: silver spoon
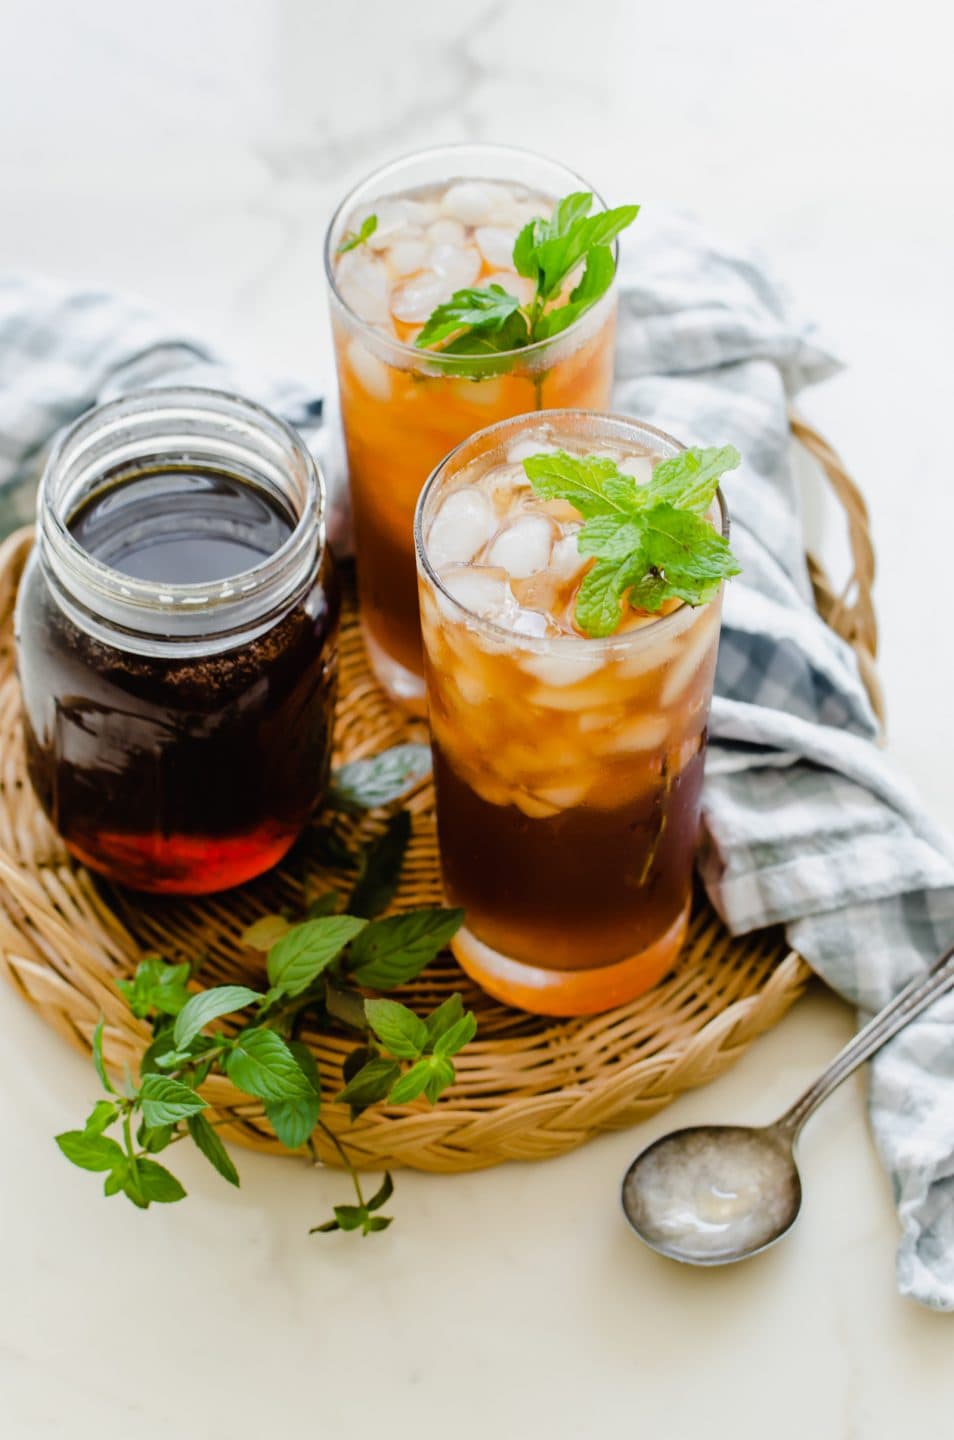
[(712, 1194)]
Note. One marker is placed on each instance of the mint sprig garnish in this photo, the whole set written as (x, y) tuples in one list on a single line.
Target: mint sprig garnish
[(489, 320), (314, 968), (652, 542), (351, 239)]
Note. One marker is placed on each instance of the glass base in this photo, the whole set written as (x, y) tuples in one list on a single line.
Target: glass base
[(403, 686), (567, 993)]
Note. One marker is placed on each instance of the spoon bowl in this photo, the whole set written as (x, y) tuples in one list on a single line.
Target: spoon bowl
[(713, 1194), (717, 1193)]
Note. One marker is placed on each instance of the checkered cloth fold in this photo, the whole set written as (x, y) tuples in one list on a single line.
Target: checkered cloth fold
[(807, 825)]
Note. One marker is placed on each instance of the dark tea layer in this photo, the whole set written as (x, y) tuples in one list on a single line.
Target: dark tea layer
[(180, 525), (180, 774), (577, 889)]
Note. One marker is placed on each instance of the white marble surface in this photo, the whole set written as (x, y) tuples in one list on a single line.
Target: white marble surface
[(190, 152)]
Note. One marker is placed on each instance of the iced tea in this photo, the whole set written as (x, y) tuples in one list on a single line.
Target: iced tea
[(568, 769), (445, 220)]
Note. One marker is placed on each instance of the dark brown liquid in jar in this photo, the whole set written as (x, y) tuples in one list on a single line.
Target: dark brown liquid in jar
[(179, 773)]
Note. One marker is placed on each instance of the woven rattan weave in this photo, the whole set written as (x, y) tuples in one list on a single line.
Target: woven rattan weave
[(527, 1088)]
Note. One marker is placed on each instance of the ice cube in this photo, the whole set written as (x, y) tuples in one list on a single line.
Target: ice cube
[(523, 549), (495, 243), (501, 482), (415, 299), (421, 212), (394, 221), (483, 591), (529, 622), (639, 466), (364, 286), (461, 526), (565, 558), (471, 202), (523, 449), (458, 264), (513, 283), (637, 733), (370, 372), (406, 257), (569, 662), (532, 807), (694, 650), (446, 232), (564, 797)]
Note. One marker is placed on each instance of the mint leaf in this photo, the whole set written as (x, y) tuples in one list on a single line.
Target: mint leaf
[(383, 1194), (98, 1062), (525, 249), (156, 1183), (457, 1036), (294, 1120), (156, 985), (262, 1065), (599, 598), (483, 321), (682, 550), (369, 1085), (164, 1100), (209, 1005), (690, 479), (482, 310), (441, 1076), (327, 904), (299, 957), (91, 1152), (156, 1137), (595, 281), (380, 779), (650, 542), (115, 1180), (209, 1142), (266, 932), (440, 1020), (351, 238), (392, 951), (570, 234), (100, 1117), (380, 868), (412, 1083), (400, 1031), (591, 483)]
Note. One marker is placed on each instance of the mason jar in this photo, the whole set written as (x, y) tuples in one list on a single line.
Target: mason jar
[(177, 637)]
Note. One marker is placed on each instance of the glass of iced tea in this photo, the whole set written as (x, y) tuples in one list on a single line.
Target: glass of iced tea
[(443, 220), (568, 768)]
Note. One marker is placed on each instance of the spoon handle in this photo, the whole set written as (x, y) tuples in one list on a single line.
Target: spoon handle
[(915, 997)]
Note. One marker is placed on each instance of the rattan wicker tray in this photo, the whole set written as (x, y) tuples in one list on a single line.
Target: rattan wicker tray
[(527, 1088)]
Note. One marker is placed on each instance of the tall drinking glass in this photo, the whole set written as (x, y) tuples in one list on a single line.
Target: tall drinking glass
[(568, 769), (445, 219)]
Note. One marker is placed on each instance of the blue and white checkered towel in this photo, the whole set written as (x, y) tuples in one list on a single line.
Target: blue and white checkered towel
[(807, 825)]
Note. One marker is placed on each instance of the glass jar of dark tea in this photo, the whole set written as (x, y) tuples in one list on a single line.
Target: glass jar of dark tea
[(177, 630)]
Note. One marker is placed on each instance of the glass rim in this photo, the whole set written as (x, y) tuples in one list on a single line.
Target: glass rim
[(658, 628), (410, 350), (151, 597)]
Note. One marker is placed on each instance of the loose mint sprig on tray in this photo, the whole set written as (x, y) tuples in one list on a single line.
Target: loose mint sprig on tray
[(483, 321), (652, 542), (319, 967)]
